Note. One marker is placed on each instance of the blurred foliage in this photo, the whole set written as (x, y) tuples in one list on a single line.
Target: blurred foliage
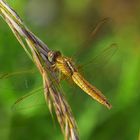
[(64, 25)]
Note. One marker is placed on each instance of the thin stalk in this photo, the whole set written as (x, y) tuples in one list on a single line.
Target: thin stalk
[(38, 51)]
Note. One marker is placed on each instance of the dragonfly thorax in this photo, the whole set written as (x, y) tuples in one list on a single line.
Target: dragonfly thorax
[(62, 63), (65, 65)]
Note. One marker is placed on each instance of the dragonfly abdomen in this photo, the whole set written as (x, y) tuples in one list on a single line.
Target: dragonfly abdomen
[(90, 89)]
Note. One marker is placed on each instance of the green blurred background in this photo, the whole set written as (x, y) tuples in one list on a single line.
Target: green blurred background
[(65, 25)]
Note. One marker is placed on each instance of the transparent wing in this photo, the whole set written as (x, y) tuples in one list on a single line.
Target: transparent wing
[(4, 75), (91, 37), (21, 82), (29, 101), (102, 58)]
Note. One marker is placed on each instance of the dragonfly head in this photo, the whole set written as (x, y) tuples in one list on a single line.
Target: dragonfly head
[(52, 55)]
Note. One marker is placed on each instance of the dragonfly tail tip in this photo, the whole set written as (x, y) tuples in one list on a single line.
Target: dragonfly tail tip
[(108, 105)]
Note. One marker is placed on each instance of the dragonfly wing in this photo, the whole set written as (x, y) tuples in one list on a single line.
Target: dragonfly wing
[(88, 42), (101, 59), (22, 80), (29, 101), (16, 73)]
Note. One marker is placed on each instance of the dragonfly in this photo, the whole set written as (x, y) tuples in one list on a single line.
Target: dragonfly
[(66, 66), (49, 63), (67, 69)]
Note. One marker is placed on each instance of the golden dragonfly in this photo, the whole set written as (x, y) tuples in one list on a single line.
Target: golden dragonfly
[(66, 66), (54, 61)]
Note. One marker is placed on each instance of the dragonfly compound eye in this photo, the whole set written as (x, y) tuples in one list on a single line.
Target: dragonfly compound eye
[(52, 56)]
